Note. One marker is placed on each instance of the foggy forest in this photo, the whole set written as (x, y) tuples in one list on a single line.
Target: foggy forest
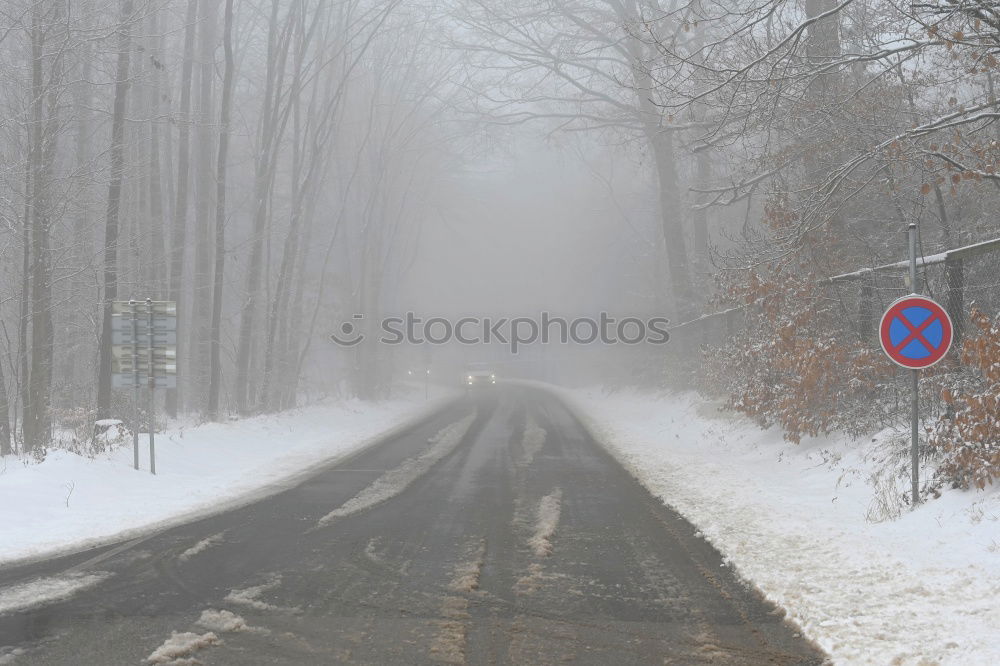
[(500, 332), (276, 167)]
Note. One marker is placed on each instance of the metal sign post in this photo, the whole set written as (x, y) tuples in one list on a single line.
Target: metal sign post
[(915, 394), (154, 325), (135, 384), (152, 386), (915, 333)]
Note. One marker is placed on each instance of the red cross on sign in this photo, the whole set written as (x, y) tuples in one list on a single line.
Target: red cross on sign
[(915, 332)]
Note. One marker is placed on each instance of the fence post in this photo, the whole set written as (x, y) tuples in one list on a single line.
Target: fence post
[(866, 310), (954, 272)]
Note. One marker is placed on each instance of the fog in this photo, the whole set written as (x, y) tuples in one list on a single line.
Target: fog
[(529, 230), (281, 170)]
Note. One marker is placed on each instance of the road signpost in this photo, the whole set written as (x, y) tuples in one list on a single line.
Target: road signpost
[(144, 352), (915, 333)]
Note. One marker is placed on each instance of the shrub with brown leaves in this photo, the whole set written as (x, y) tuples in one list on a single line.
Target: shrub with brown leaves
[(968, 436)]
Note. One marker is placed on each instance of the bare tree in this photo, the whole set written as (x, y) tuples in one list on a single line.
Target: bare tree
[(110, 292), (178, 233), (5, 439), (583, 65), (46, 89), (215, 374), (199, 324)]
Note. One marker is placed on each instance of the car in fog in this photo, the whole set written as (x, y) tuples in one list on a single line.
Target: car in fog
[(479, 375)]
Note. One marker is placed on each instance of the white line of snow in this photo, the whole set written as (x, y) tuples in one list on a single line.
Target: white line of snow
[(397, 480), (450, 641), (466, 574), (202, 546), (250, 596), (9, 654), (546, 522), (43, 591), (223, 621), (532, 441), (181, 645)]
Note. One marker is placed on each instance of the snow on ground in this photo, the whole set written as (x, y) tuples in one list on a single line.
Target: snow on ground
[(923, 588), (546, 522), (223, 621), (397, 480), (202, 546), (76, 501), (180, 645), (45, 590), (250, 596), (532, 441)]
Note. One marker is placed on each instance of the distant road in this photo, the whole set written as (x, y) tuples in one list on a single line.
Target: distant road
[(494, 532)]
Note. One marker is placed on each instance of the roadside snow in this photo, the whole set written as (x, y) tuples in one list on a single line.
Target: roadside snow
[(76, 502), (793, 519), (42, 591)]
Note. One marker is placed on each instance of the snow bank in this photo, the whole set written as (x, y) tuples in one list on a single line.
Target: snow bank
[(77, 502), (921, 589)]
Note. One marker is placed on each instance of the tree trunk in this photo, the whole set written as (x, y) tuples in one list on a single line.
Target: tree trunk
[(661, 145), (268, 136), (270, 392), (215, 375), (157, 220), (178, 234), (4, 415), (37, 423), (199, 325), (114, 202), (672, 221), (23, 347)]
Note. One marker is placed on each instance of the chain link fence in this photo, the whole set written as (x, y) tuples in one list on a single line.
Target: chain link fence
[(960, 279)]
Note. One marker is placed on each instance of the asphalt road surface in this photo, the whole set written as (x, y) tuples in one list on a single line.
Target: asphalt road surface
[(496, 531)]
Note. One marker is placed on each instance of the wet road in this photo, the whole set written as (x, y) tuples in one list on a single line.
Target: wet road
[(494, 532)]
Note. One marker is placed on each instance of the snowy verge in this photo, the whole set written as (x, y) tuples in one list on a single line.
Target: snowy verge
[(68, 502), (792, 519)]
